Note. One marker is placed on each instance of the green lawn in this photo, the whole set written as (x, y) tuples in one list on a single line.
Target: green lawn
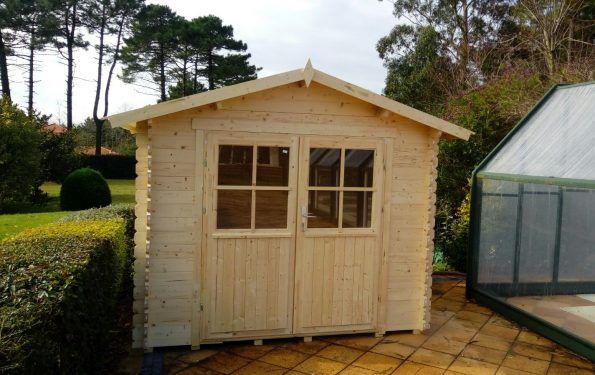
[(26, 216)]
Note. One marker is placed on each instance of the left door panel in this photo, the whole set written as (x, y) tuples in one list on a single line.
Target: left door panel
[(249, 229)]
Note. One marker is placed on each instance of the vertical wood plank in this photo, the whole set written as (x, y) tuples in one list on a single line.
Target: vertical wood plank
[(261, 282), (250, 294), (228, 284), (348, 282), (239, 285), (358, 262), (338, 266), (284, 291), (219, 287), (368, 298), (305, 277), (272, 283), (317, 279), (328, 285)]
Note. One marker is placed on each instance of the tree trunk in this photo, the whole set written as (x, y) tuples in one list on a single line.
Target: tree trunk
[(96, 119), (70, 63), (162, 74), (31, 67), (4, 68), (113, 66), (210, 71), (195, 78)]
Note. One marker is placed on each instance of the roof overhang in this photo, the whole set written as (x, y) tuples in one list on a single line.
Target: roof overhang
[(307, 75)]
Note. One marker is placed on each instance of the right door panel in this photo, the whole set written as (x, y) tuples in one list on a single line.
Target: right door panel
[(337, 250)]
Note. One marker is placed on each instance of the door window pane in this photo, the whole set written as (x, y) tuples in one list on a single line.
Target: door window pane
[(271, 209), (324, 166), (233, 209), (357, 209), (323, 209), (235, 165), (272, 168), (359, 168)]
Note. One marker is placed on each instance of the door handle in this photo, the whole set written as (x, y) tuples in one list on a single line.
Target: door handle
[(305, 216)]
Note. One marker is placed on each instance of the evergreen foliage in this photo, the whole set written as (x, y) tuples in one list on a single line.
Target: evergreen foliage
[(84, 188)]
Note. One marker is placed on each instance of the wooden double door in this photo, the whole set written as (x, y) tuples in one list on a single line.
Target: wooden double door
[(291, 239)]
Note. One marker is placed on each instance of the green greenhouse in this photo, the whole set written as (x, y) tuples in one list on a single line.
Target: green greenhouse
[(532, 248)]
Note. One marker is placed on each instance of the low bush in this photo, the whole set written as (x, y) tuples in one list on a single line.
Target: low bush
[(84, 188), (112, 166), (59, 288)]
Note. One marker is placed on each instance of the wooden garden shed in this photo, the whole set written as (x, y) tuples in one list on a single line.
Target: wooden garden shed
[(293, 205)]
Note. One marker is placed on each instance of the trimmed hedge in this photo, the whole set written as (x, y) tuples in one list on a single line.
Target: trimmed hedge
[(59, 287), (84, 188), (112, 166)]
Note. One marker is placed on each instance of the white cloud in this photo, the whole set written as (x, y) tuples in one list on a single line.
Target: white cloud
[(338, 35)]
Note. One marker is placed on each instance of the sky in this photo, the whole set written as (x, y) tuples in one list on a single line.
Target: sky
[(339, 36)]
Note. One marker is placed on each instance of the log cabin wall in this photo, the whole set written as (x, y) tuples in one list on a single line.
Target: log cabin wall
[(175, 207)]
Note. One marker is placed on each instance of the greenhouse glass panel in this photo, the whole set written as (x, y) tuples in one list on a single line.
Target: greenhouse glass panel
[(556, 141)]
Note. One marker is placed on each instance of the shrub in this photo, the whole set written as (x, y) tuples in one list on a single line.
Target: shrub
[(84, 188), (19, 154), (59, 286), (112, 166)]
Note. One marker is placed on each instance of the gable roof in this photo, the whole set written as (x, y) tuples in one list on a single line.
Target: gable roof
[(307, 74)]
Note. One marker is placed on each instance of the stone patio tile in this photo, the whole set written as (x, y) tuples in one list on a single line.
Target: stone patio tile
[(251, 351), (258, 368), (318, 365), (472, 316), (457, 330), (340, 353), (442, 304), (284, 357), (560, 369), (444, 343), (174, 367), (432, 358), (311, 347), (224, 363), (511, 371), (412, 368), (505, 333), (520, 362), (535, 339), (361, 342), (379, 363), (502, 321), (481, 353), (354, 370), (393, 349), (470, 306), (473, 367), (197, 370), (413, 340), (440, 317), (565, 357), (532, 351), (196, 356), (491, 342)]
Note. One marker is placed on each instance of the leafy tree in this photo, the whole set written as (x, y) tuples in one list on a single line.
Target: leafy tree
[(109, 18), (223, 57), (19, 153), (417, 77), (35, 29), (117, 139), (149, 54)]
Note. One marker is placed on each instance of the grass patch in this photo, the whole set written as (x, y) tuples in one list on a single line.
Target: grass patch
[(24, 216)]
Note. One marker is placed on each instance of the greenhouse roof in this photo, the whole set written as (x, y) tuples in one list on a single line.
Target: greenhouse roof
[(556, 139)]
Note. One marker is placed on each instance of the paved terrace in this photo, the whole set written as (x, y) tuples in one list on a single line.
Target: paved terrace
[(464, 338)]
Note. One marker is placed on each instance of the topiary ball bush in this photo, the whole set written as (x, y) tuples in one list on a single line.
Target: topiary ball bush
[(84, 188)]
